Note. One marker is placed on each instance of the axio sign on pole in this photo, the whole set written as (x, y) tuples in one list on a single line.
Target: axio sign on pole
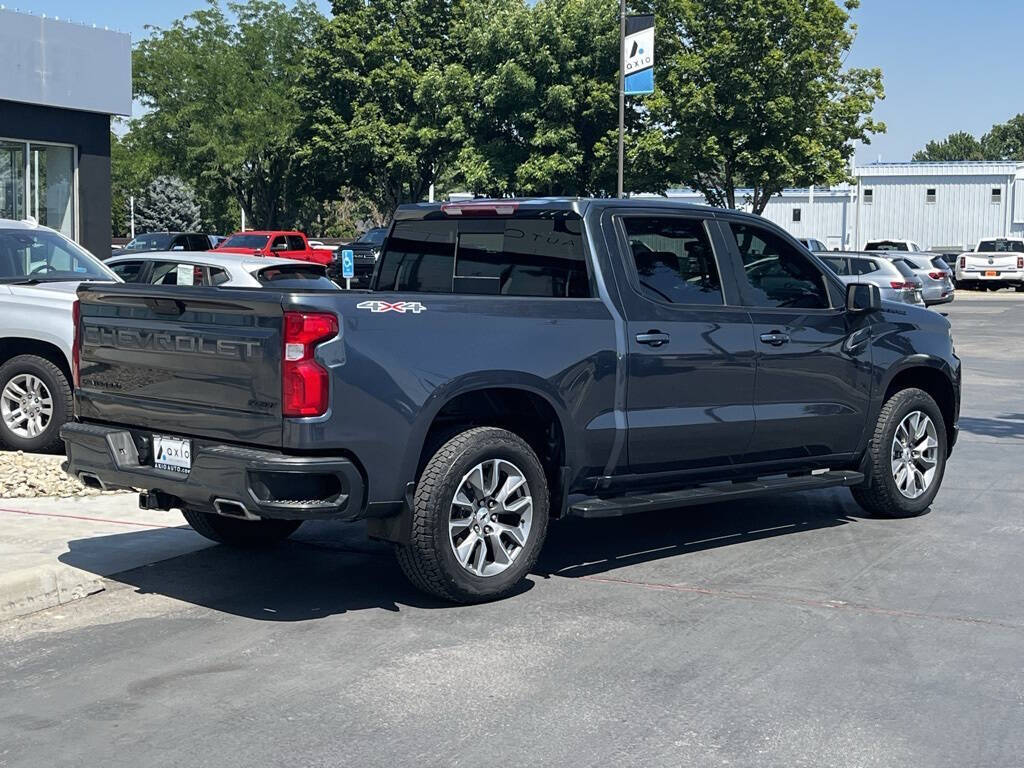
[(638, 54)]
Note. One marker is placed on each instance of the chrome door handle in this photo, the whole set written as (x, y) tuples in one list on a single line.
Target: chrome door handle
[(653, 338), (775, 338)]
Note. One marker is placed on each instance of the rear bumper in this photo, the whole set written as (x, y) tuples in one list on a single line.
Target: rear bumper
[(265, 483)]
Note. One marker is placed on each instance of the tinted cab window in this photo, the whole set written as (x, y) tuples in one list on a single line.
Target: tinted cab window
[(778, 274), (674, 260), (295, 243), (507, 256), (128, 270)]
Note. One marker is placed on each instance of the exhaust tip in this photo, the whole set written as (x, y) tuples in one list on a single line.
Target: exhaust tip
[(90, 480), (231, 508)]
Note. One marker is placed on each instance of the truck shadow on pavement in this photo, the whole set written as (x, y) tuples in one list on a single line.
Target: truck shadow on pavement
[(332, 569), (578, 548)]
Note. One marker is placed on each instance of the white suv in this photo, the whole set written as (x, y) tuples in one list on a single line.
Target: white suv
[(995, 263), (40, 270)]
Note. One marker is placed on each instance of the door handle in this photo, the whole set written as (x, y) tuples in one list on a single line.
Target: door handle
[(775, 338), (653, 338)]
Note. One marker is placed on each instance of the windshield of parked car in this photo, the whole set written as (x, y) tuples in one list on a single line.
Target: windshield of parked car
[(152, 241), (245, 241), (1001, 246), (373, 237), (29, 256), (887, 245)]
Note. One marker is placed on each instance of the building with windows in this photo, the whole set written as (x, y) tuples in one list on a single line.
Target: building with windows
[(945, 207), (61, 83)]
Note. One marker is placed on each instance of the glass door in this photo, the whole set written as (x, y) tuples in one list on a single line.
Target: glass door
[(52, 187), (12, 180)]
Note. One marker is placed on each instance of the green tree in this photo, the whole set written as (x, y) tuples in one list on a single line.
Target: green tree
[(955, 147), (219, 89), (384, 100), (167, 204), (545, 107), (1006, 140), (754, 93), (132, 167)]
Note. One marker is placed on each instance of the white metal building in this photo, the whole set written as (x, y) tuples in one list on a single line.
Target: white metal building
[(941, 206)]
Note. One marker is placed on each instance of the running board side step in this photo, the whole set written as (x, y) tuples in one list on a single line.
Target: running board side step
[(710, 493)]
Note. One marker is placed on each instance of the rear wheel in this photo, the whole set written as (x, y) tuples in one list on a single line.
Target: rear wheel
[(479, 518), (240, 533), (907, 456), (35, 402)]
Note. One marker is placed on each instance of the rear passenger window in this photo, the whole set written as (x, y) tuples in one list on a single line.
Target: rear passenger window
[(295, 243), (128, 270), (540, 257), (837, 264), (218, 276), (864, 266), (172, 273), (779, 275), (674, 260)]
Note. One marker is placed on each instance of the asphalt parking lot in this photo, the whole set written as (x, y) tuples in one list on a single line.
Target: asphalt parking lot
[(785, 632)]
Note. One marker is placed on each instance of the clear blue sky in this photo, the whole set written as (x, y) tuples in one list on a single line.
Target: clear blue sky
[(949, 65)]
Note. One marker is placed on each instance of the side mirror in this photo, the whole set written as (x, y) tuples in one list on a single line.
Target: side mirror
[(863, 297)]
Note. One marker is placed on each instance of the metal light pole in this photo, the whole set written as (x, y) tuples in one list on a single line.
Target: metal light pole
[(622, 90), (131, 202)]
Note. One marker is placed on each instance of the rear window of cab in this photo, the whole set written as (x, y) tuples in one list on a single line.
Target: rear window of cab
[(523, 256)]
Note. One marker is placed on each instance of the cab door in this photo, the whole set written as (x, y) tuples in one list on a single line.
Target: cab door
[(813, 358), (691, 361)]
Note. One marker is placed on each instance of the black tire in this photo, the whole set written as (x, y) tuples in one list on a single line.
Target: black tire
[(247, 534), (428, 560), (56, 383), (881, 496)]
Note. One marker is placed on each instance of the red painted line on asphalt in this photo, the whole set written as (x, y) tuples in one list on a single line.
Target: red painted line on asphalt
[(87, 519), (841, 605)]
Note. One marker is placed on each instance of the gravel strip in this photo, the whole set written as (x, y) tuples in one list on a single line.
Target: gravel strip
[(28, 475)]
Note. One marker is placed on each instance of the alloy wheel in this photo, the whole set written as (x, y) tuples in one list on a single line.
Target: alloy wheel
[(491, 517), (915, 454), (26, 406)]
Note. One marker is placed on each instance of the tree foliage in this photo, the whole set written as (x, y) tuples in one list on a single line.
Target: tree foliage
[(218, 86), (305, 120), (167, 204), (754, 93), (1004, 142)]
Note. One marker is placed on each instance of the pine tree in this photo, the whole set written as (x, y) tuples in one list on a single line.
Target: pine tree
[(168, 204)]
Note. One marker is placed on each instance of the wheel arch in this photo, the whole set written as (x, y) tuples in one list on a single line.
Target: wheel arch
[(932, 375), (11, 347), (498, 402)]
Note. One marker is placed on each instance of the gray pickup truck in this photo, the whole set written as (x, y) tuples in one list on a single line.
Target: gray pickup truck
[(515, 361)]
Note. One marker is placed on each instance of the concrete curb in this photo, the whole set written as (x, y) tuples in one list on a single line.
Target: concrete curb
[(29, 590)]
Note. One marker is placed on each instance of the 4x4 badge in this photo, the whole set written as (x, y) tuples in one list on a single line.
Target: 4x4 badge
[(398, 306)]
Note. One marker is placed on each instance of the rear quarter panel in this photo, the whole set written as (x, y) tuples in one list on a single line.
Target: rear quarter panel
[(392, 371)]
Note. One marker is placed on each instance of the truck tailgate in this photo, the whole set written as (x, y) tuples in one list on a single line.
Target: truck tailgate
[(183, 361)]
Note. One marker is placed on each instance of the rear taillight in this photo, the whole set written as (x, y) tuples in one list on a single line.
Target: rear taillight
[(936, 275), (305, 387), (898, 286), (963, 262), (76, 344), (1020, 262)]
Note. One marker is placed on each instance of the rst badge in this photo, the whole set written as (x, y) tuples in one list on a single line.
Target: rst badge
[(392, 306)]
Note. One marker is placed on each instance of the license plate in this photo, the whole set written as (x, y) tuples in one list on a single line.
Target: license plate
[(991, 273), (173, 454)]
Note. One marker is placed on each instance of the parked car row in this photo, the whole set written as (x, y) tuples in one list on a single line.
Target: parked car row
[(270, 244)]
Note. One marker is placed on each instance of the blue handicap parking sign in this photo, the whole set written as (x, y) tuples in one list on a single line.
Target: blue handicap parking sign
[(348, 267)]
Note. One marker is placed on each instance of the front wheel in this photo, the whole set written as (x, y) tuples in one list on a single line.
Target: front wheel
[(907, 456), (247, 534), (480, 516)]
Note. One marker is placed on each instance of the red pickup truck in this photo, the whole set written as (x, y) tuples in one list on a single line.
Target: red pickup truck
[(280, 244)]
